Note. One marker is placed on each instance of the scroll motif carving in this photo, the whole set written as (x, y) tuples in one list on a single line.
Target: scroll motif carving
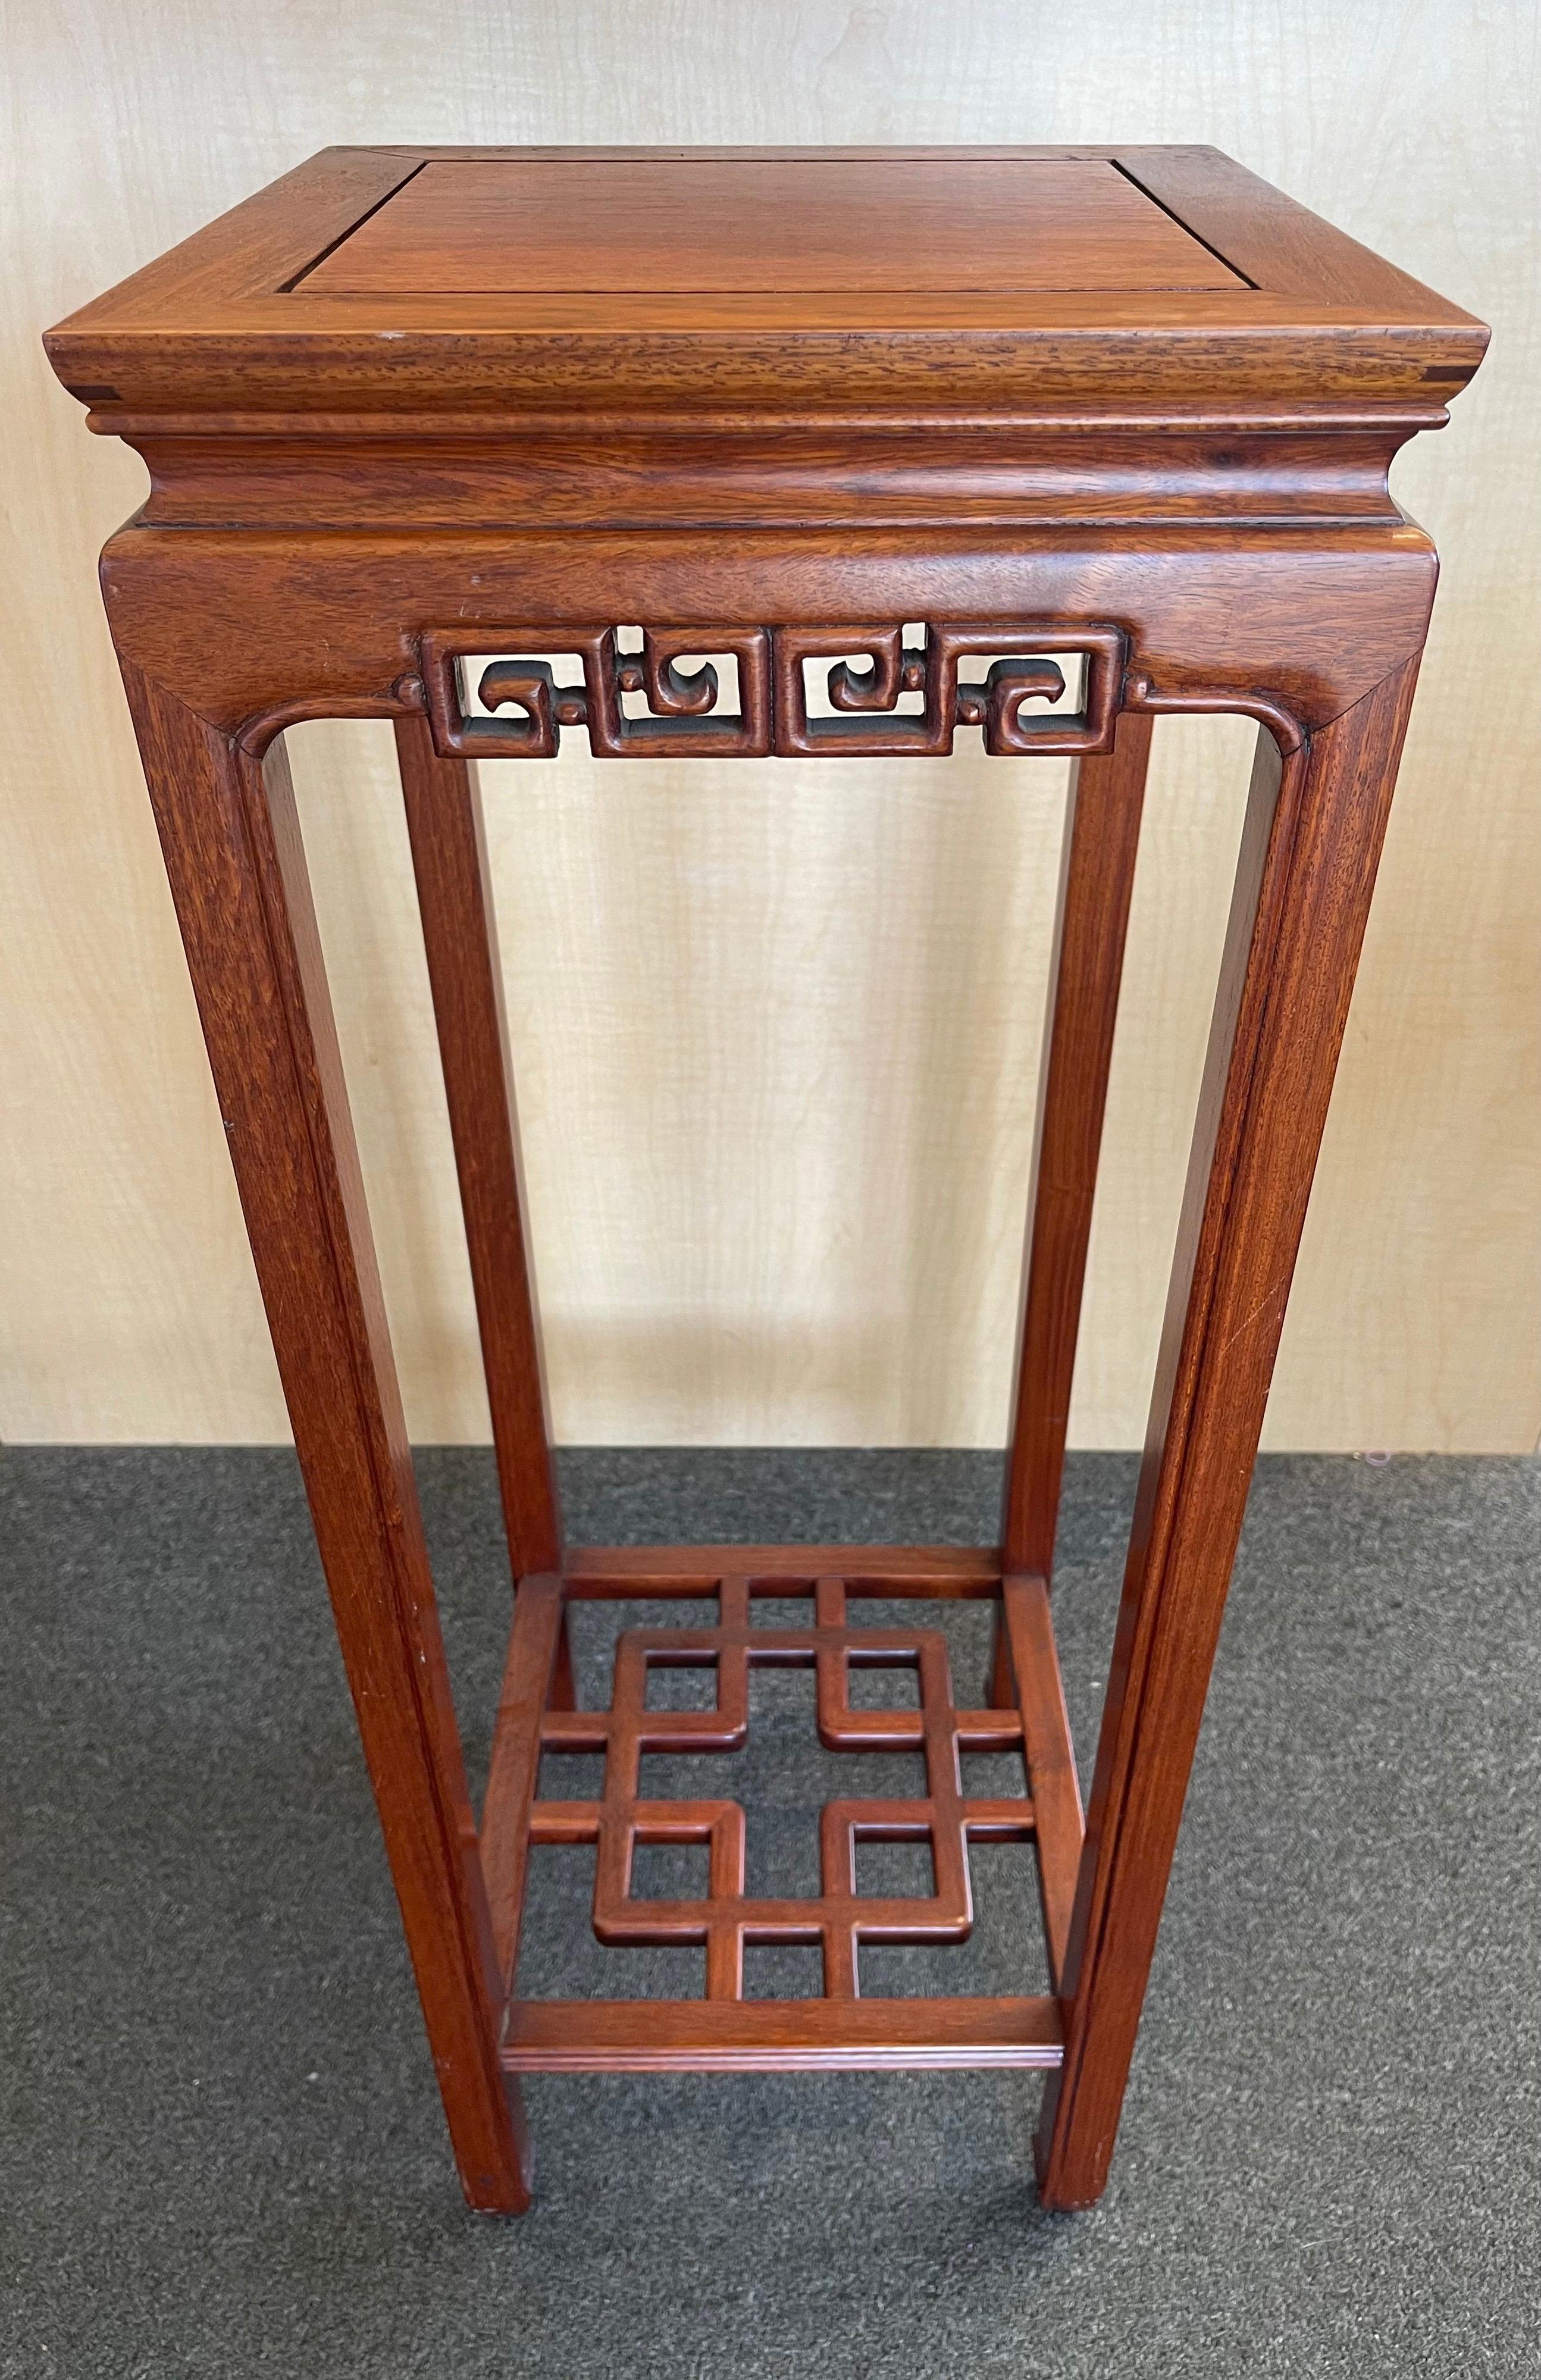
[(871, 696), (1140, 694), (683, 717), (886, 697)]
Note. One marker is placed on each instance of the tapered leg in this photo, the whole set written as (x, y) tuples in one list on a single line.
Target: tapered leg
[(1309, 851), (231, 840), (449, 857), (1097, 881)]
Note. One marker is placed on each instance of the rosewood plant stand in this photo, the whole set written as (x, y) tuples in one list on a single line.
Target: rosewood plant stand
[(426, 430)]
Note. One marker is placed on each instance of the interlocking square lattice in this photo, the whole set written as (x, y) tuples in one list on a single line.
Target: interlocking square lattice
[(723, 2029)]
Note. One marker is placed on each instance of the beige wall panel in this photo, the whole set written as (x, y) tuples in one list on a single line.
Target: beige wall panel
[(776, 1028)]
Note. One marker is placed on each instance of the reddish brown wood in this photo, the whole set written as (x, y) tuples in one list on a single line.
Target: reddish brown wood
[(794, 225), (997, 468), (1101, 842), (1310, 846), (1028, 1635), (361, 493), (684, 719), (772, 712), (840, 1918), (866, 698), (236, 321), (303, 623), (230, 837), (929, 1570), (564, 1680), (729, 2034), (449, 858), (528, 1678), (778, 2036), (662, 2035)]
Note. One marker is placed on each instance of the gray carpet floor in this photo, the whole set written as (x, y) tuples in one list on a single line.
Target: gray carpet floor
[(221, 2149)]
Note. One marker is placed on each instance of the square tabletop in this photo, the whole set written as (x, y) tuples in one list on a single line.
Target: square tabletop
[(498, 281)]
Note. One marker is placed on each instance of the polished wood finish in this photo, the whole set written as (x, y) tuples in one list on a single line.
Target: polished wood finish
[(773, 707), (841, 1918), (230, 835), (529, 1683), (1058, 1827), (231, 322), (725, 2031), (799, 225), (779, 2036), (504, 444), (1295, 623), (887, 1570), (1310, 845), (1097, 882), (449, 859)]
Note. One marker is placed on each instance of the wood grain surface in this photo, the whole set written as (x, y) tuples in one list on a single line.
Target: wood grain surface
[(960, 223)]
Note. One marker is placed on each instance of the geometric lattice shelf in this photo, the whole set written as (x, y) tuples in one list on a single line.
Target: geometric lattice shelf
[(724, 2031)]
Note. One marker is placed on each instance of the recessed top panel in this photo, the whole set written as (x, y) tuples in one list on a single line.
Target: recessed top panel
[(677, 224), (973, 285)]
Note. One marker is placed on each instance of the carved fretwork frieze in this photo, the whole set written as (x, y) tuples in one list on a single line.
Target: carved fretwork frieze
[(886, 697)]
